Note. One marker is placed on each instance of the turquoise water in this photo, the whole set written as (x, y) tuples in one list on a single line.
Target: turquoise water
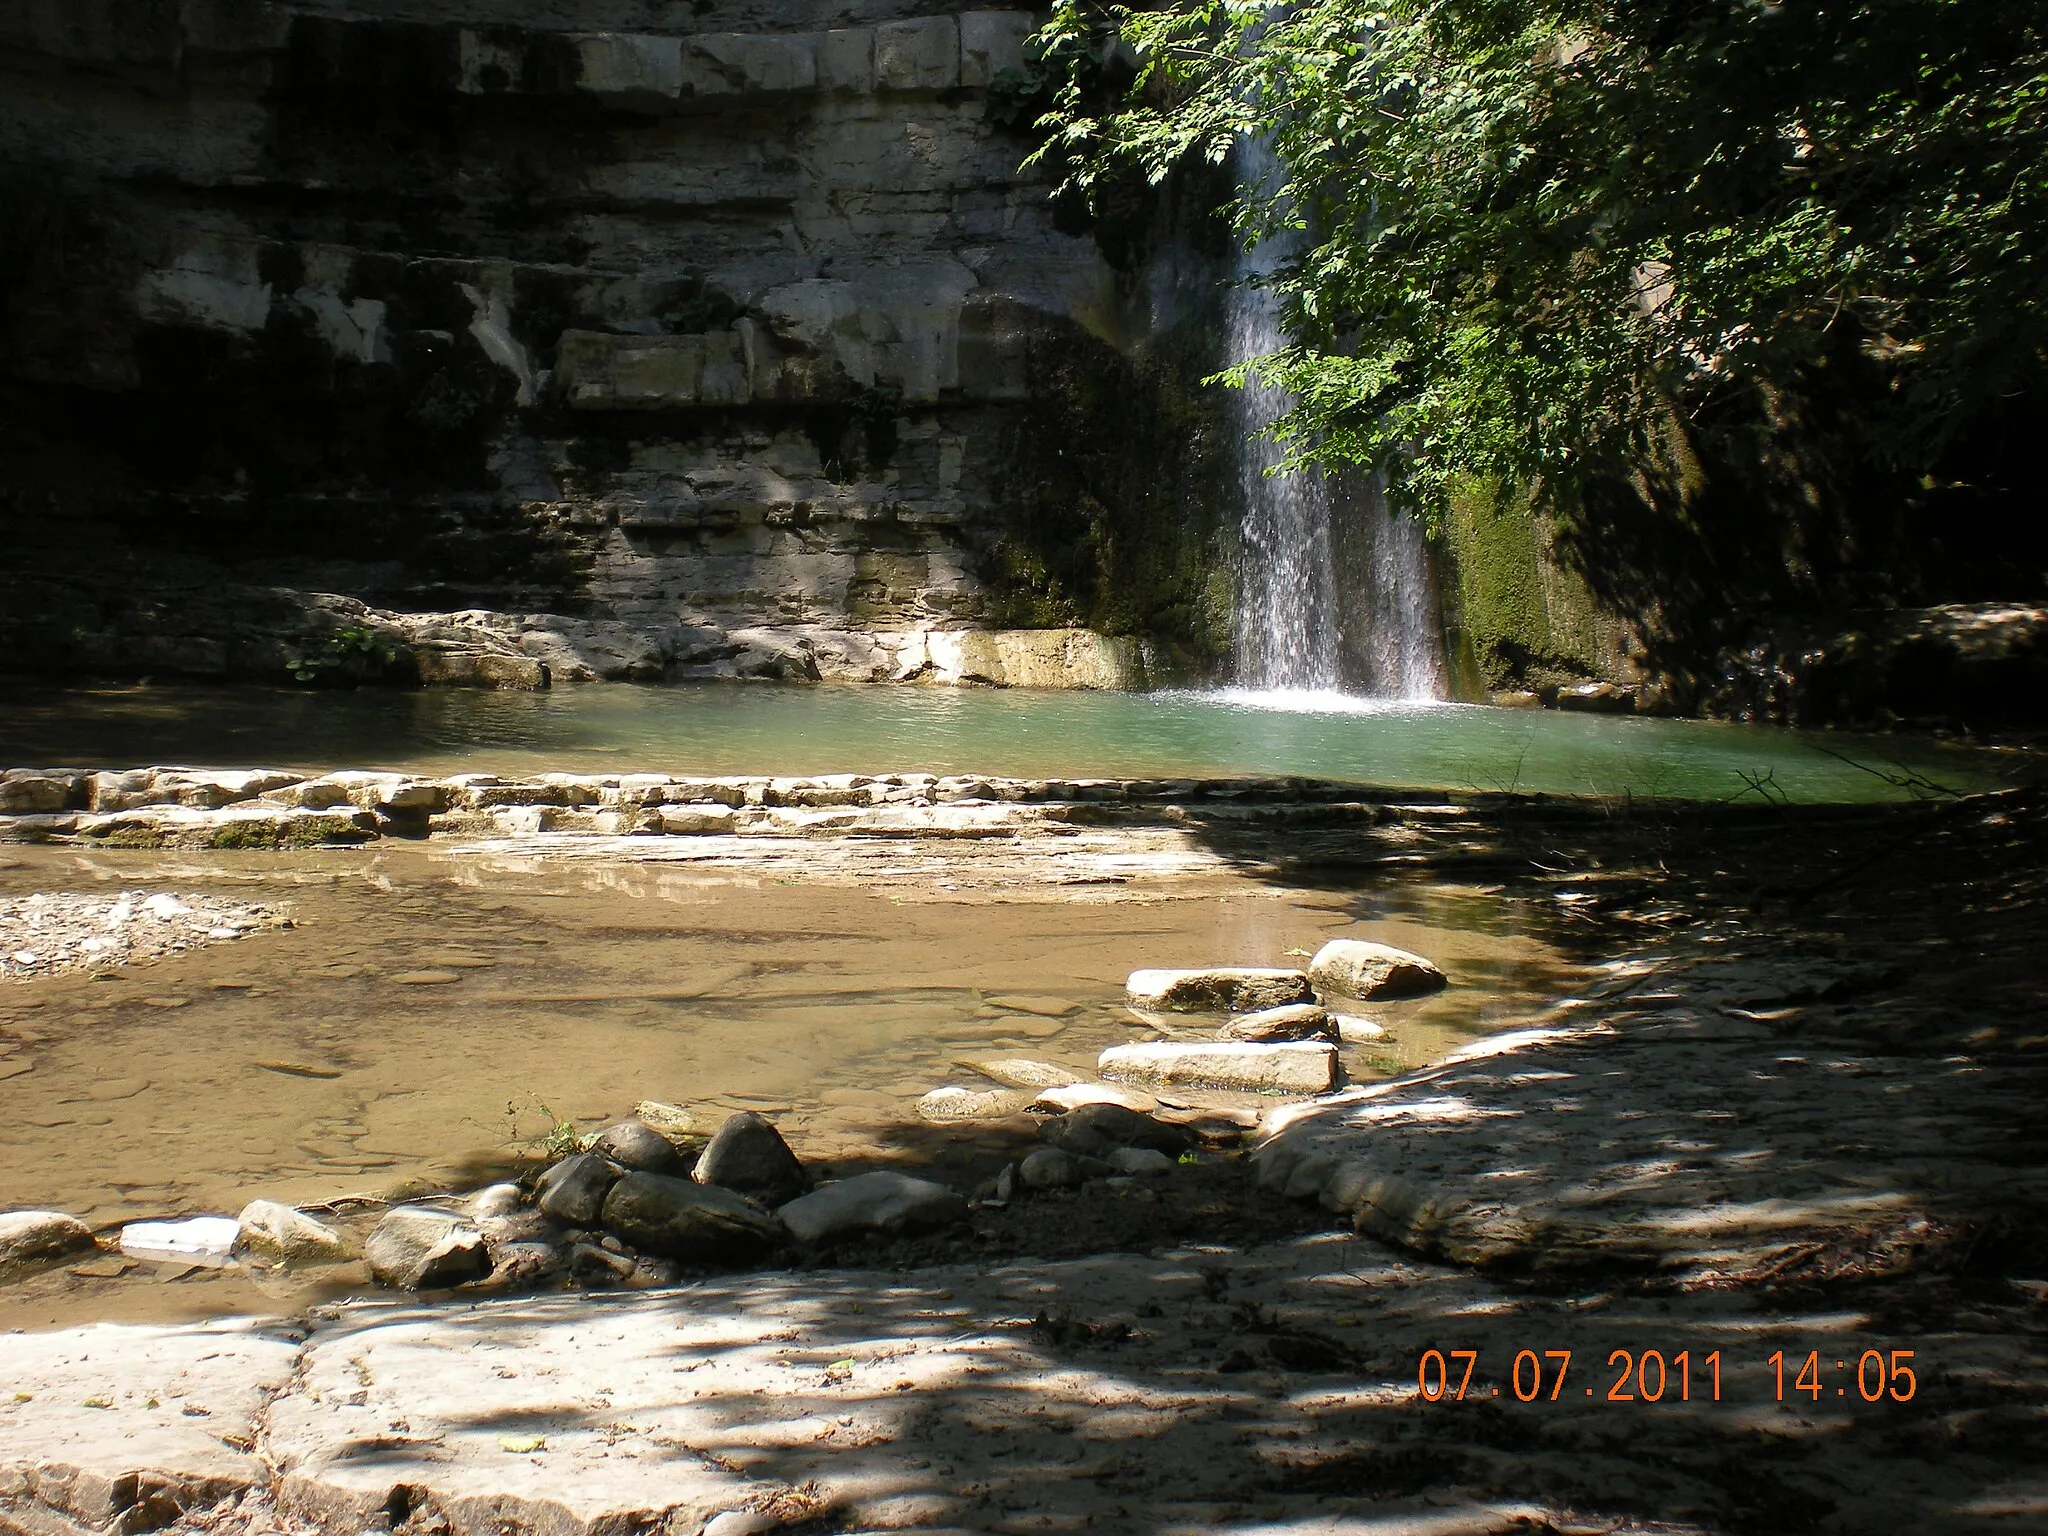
[(718, 728)]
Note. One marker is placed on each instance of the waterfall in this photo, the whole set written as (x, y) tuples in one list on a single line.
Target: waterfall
[(1333, 592)]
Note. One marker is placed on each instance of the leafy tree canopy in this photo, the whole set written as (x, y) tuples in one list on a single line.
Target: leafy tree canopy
[(1558, 242)]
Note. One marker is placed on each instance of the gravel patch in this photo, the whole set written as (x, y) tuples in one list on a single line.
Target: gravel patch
[(52, 932)]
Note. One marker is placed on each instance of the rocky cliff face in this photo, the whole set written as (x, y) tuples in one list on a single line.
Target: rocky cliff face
[(483, 339)]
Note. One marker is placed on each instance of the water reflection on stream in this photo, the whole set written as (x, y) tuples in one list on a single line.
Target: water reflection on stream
[(721, 728), (408, 1030)]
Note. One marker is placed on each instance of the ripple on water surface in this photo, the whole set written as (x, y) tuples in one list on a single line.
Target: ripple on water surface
[(721, 728)]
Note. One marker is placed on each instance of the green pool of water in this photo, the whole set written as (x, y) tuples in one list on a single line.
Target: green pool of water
[(739, 728)]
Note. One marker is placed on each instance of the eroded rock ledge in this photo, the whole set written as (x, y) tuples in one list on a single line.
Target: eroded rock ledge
[(171, 807)]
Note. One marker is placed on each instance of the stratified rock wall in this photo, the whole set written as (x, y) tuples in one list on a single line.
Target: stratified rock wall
[(731, 332)]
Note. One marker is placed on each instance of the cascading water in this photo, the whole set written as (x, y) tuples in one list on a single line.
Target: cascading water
[(1333, 591)]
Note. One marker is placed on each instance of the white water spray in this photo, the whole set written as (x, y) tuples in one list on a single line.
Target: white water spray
[(1333, 593)]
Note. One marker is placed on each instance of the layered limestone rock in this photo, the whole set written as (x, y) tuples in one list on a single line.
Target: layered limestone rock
[(512, 343)]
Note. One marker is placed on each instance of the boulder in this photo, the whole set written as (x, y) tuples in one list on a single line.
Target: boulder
[(871, 1202), (679, 1219), (417, 1248), (1094, 1128), (29, 1237), (1219, 989), (1300, 1067), (1296, 1021), (634, 1145), (1362, 969), (749, 1155), (956, 1103), (573, 1190), (278, 1234)]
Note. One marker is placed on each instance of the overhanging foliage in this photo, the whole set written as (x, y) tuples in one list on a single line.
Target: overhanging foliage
[(1567, 243)]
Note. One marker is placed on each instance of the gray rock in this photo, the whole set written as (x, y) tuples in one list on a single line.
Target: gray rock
[(1362, 969), (738, 1522), (1231, 988), (28, 1237), (639, 1147), (525, 1225), (1022, 1072), (956, 1103), (590, 1261), (514, 1265), (669, 1119), (496, 1200), (1094, 1128), (416, 1248), (573, 1191), (871, 1202), (678, 1219), (1077, 1095), (278, 1234), (1302, 1067), (1296, 1021), (1139, 1160), (1006, 1184), (749, 1155), (1050, 1168)]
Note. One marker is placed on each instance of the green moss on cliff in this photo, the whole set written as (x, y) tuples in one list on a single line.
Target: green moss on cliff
[(1116, 500), (1517, 618)]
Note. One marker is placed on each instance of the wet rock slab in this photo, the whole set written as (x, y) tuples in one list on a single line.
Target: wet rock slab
[(881, 1401), (123, 1427), (1655, 1123), (1218, 989), (1295, 1067)]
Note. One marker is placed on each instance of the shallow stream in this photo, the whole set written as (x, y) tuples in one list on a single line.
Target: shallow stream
[(428, 1015)]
